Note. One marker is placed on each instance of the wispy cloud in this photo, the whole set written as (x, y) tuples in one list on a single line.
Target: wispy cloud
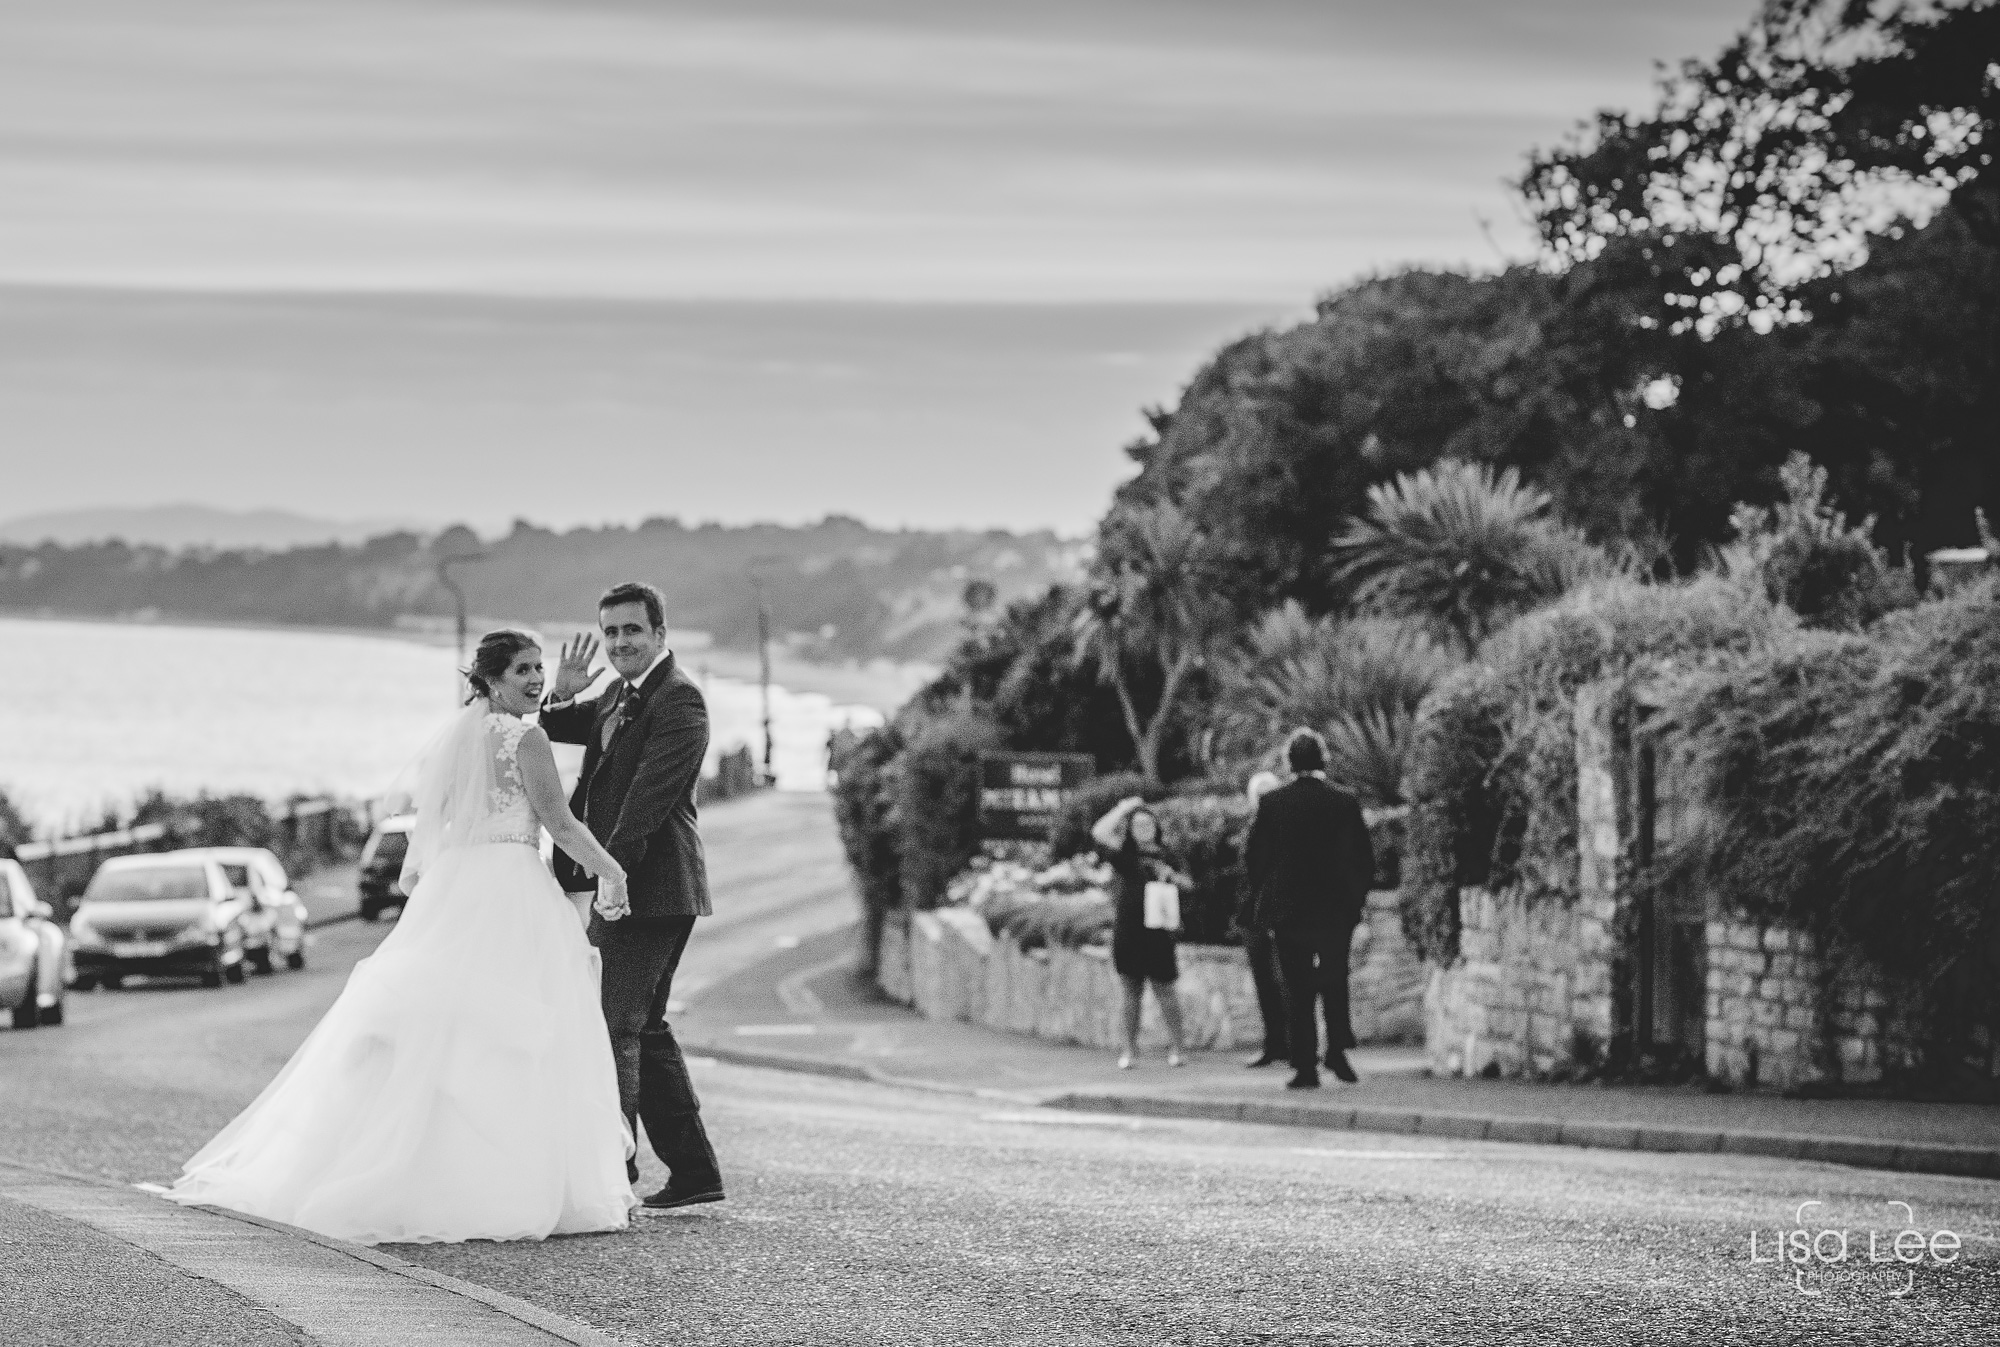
[(1132, 149)]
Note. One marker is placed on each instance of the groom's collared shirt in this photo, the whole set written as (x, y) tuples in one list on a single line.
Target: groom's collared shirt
[(636, 683)]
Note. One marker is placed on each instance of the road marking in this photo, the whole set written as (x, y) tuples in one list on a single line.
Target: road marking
[(704, 1061), (1066, 1119), (787, 942), (1379, 1155), (796, 995), (775, 1030), (150, 1187)]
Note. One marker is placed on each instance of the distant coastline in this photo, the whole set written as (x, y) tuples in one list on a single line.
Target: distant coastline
[(882, 685)]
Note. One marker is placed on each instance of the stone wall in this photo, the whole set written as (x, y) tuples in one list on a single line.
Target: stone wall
[(1535, 984), (1543, 986), (1778, 1017), (948, 965), (1521, 994)]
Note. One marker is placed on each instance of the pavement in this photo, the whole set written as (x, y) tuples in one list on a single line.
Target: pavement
[(803, 1009)]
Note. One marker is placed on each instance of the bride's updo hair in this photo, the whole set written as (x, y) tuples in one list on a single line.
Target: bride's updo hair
[(494, 657)]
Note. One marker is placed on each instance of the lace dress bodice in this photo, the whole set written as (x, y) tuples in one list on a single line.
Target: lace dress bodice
[(510, 818)]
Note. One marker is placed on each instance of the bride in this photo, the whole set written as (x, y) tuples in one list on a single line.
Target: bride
[(462, 1086)]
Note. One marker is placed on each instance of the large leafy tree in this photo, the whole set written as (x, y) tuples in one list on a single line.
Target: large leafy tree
[(1759, 190)]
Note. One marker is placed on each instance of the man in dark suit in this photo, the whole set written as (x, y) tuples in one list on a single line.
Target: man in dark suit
[(644, 739), (1310, 864)]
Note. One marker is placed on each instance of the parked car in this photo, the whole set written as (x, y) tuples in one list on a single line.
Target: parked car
[(34, 952), (382, 863), (276, 928), (171, 913)]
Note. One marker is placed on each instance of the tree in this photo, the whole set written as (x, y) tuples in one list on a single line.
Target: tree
[(1153, 600), (1819, 138), (1790, 148)]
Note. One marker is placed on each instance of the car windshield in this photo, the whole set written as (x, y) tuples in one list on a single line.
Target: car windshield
[(237, 875), (147, 883), (389, 848)]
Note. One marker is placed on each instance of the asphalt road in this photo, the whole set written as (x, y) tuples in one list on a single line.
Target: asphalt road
[(868, 1214)]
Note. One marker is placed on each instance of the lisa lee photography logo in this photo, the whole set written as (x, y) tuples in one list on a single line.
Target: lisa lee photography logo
[(1810, 1251)]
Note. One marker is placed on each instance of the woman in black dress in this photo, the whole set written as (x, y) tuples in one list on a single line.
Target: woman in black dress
[(1138, 953)]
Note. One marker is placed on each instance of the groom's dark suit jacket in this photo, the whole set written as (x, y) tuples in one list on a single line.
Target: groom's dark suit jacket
[(637, 795)]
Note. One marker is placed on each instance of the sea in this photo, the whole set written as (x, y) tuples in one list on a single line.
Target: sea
[(93, 714)]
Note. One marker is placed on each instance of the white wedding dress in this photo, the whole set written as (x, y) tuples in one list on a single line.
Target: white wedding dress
[(462, 1086)]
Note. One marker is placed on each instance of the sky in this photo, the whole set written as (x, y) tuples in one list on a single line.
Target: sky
[(582, 260)]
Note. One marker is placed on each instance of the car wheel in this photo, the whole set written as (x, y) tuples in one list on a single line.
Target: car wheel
[(83, 984), (296, 959), (212, 978), (234, 973), (114, 980), (261, 961), (27, 1015), (370, 912), (52, 1014)]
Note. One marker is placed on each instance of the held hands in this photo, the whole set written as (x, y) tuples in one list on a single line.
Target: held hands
[(613, 900), (573, 673)]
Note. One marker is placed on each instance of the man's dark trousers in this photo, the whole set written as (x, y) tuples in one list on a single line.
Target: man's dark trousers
[(1312, 966), (1270, 991), (640, 956)]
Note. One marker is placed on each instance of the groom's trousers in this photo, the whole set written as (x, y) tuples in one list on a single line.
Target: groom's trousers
[(640, 957)]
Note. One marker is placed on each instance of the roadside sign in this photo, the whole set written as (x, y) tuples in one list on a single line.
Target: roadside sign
[(1021, 793)]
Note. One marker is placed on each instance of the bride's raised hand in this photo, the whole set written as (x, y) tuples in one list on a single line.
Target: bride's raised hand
[(573, 673)]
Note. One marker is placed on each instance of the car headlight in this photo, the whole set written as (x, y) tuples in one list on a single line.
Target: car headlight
[(83, 935)]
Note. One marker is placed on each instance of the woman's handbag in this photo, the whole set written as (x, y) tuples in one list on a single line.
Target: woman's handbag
[(1163, 906)]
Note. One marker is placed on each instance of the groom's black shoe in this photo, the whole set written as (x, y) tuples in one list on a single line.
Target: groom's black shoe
[(674, 1195), (1336, 1062), (1304, 1080)]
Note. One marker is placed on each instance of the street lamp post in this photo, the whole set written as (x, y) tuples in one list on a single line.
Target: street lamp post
[(763, 653), (764, 665), (458, 597)]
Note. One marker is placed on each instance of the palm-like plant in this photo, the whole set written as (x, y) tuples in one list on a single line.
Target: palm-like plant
[(1463, 547), (1358, 682), (1154, 598)]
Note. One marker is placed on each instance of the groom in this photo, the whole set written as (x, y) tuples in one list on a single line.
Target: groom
[(644, 738)]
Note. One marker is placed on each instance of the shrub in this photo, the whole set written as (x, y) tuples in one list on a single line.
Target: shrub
[(1461, 547), (1069, 921), (1069, 835), (246, 821), (1805, 555), (1358, 682), (1203, 836), (936, 793), (1493, 772), (863, 808), (1856, 781), (14, 829), (1453, 822)]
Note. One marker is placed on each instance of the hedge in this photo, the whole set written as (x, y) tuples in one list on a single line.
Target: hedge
[(1856, 787), (1492, 777)]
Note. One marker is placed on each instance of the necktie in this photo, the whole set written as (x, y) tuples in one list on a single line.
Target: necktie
[(617, 716)]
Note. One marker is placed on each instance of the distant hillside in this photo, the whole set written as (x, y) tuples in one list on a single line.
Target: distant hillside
[(193, 526), (837, 589)]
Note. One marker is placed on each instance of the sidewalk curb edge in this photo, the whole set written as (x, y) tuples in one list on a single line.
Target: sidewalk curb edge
[(1907, 1157), (547, 1321)]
